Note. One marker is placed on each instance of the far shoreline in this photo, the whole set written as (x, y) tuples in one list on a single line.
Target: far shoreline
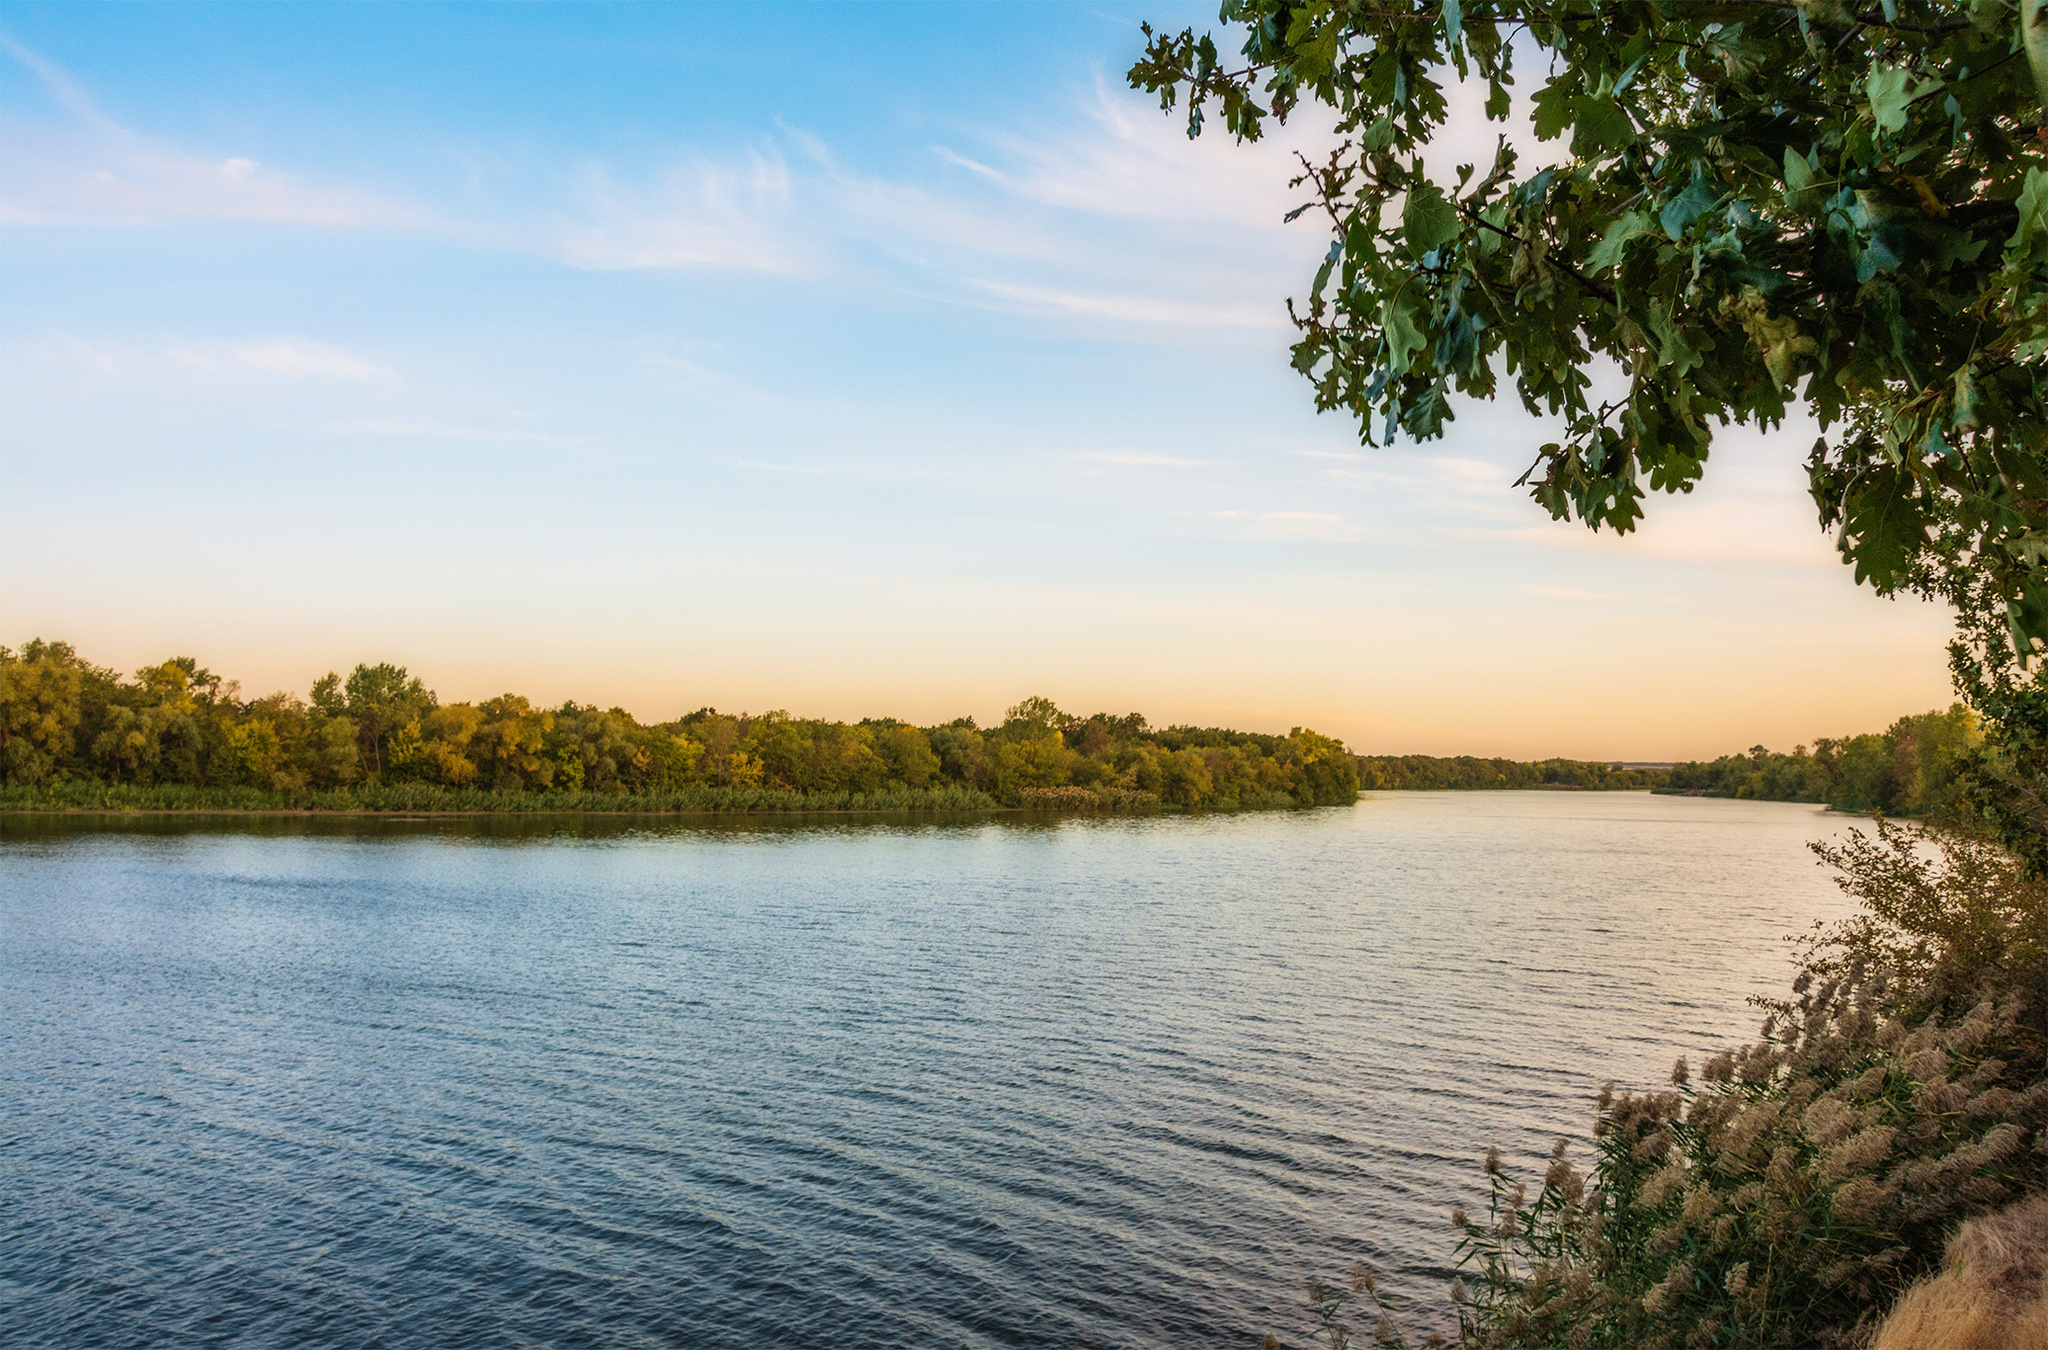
[(708, 813)]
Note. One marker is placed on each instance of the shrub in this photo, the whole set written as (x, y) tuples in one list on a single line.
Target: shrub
[(1108, 797), (1949, 918)]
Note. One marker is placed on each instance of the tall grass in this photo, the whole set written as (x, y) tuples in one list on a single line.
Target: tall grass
[(1070, 798)]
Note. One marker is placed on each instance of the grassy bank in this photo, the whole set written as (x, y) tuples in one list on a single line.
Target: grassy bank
[(432, 798), (435, 799)]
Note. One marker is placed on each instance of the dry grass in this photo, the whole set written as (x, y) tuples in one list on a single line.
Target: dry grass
[(1992, 1293)]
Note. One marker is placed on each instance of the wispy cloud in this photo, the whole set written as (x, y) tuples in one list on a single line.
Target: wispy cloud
[(1129, 308), (1300, 525), (135, 183), (955, 158), (1127, 160), (704, 214), (58, 84), (1142, 459), (289, 357), (273, 359), (1106, 193), (436, 431), (94, 171), (1111, 218), (1114, 218)]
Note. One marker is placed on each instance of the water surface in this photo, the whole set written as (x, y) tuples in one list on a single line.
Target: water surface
[(1078, 1083)]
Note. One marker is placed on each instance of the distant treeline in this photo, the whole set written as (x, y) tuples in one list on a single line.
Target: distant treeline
[(1425, 772), (76, 735), (1908, 770)]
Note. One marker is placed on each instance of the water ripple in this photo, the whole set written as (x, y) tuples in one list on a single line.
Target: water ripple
[(1099, 1083)]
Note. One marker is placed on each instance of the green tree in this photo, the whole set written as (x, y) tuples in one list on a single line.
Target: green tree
[(908, 754), (1034, 717), (843, 759), (669, 761), (1869, 775), (165, 726), (779, 747), (384, 702), (1184, 778), (41, 702), (1028, 761), (962, 751), (1931, 750), (2005, 790), (510, 735), (596, 749), (1329, 775), (267, 746), (444, 751), (1756, 205)]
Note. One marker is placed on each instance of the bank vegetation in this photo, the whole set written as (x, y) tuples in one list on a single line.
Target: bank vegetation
[(77, 736)]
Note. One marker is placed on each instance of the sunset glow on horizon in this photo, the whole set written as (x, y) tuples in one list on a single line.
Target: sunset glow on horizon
[(579, 353)]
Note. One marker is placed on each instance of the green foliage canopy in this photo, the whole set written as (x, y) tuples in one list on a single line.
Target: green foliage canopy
[(1762, 203), (65, 721), (1471, 773), (1919, 766)]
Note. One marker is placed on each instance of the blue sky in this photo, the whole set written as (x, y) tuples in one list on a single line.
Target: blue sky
[(854, 359)]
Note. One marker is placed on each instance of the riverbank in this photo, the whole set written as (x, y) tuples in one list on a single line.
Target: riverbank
[(432, 799), (1832, 808), (428, 799), (96, 799)]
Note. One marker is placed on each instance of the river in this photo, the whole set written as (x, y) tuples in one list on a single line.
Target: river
[(983, 1083)]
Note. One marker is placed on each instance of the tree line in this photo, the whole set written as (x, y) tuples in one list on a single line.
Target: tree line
[(1915, 767), (1395, 773), (176, 733)]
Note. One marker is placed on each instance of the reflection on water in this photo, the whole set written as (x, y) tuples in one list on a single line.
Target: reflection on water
[(757, 1081), (534, 825)]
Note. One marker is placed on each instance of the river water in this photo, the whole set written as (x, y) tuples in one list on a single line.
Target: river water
[(1117, 1082)]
